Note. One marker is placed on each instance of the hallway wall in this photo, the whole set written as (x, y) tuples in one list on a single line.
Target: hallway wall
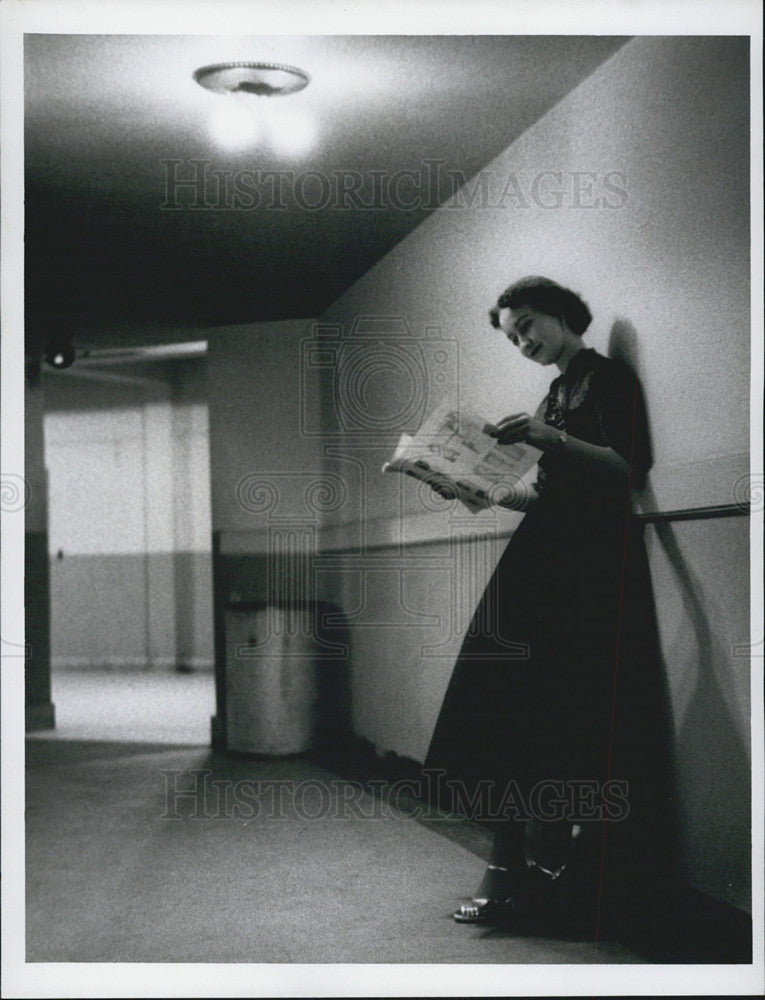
[(615, 192), (30, 502), (266, 464), (264, 427), (129, 522), (265, 452), (701, 582), (630, 210)]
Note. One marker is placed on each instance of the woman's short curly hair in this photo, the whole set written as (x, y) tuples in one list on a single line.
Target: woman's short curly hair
[(546, 296)]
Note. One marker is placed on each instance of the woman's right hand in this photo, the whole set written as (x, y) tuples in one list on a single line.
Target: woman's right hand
[(522, 427)]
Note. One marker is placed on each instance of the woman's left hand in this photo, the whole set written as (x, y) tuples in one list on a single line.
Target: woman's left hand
[(522, 427)]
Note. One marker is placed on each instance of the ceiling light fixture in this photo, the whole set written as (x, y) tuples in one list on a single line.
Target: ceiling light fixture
[(262, 79), (59, 354), (242, 121)]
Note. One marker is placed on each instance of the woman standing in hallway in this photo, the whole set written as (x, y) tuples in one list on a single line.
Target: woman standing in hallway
[(549, 724)]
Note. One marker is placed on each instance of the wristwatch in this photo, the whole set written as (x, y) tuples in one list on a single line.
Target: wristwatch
[(562, 439)]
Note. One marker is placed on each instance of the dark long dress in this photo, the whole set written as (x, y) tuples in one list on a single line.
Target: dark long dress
[(558, 679)]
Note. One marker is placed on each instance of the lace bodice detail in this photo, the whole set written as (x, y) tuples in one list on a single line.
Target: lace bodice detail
[(597, 399)]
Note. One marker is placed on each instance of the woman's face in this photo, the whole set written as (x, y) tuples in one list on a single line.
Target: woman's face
[(538, 336)]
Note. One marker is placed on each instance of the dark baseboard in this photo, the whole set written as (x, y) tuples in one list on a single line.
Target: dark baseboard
[(217, 734), (41, 715)]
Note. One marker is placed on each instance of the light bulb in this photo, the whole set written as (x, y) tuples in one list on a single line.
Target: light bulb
[(290, 130), (234, 124)]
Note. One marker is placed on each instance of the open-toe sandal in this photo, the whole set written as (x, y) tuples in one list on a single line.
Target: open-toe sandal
[(483, 911)]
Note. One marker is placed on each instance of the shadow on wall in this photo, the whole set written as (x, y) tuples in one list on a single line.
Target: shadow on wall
[(711, 777)]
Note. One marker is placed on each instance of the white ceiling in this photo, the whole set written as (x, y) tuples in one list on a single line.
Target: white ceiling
[(102, 112)]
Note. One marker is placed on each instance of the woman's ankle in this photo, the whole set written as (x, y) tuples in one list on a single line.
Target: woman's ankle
[(507, 846), (499, 882)]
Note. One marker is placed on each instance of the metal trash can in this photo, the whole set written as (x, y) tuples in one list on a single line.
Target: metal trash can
[(272, 678)]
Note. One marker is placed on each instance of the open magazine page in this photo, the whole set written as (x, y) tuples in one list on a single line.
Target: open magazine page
[(452, 449)]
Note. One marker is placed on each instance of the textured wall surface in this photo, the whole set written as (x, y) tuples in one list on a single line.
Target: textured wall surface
[(641, 205)]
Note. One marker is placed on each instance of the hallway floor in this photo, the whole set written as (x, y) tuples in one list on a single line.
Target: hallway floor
[(273, 861), (121, 868), (152, 706)]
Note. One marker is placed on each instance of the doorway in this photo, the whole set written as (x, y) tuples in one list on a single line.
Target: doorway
[(127, 461)]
